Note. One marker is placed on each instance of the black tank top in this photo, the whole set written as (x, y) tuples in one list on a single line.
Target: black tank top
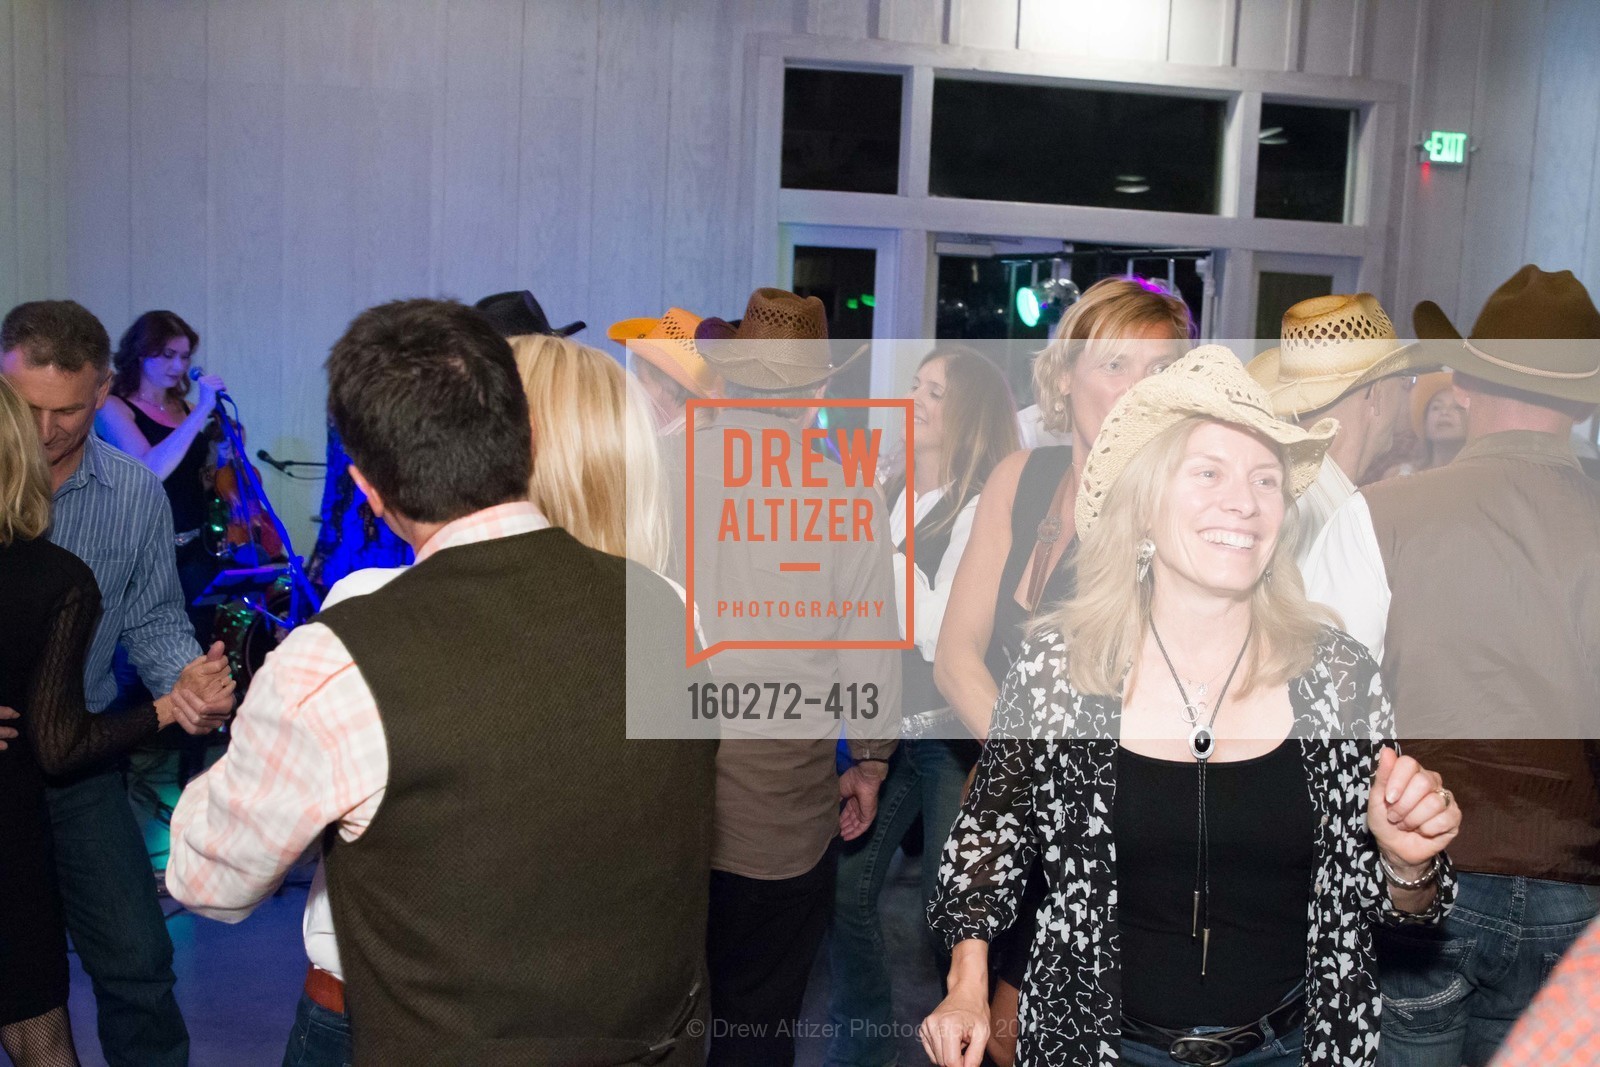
[(1041, 475), (186, 485), (1263, 840)]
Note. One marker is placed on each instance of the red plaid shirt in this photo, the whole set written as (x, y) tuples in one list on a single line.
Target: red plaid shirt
[(1562, 1025)]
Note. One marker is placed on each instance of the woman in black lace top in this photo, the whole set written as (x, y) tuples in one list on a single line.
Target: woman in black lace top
[(1192, 755), (49, 604)]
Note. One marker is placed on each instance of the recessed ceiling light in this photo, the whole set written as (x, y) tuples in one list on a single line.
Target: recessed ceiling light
[(1269, 131), (1139, 188), (1130, 178)]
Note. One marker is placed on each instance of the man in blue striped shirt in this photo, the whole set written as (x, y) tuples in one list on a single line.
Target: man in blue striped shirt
[(111, 512)]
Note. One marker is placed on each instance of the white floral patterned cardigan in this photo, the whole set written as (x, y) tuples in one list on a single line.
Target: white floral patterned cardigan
[(1045, 790)]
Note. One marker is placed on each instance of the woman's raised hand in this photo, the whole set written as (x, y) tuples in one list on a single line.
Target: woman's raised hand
[(1410, 813), (210, 385)]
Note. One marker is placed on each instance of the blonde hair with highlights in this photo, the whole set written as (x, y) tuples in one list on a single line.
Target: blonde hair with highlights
[(1108, 309), (597, 470), (1104, 623), (24, 475)]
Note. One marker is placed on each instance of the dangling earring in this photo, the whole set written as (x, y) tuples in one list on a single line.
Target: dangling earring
[(1147, 552), (1266, 576)]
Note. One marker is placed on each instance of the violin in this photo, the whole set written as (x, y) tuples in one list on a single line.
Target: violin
[(242, 520)]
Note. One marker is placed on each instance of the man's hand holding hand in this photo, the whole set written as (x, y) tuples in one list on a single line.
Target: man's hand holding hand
[(203, 697)]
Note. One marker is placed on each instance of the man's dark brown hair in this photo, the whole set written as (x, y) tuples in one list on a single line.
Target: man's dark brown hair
[(428, 402)]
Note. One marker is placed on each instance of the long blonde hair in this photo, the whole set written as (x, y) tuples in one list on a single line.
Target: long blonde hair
[(597, 470), (24, 475), (1104, 623), (1108, 309)]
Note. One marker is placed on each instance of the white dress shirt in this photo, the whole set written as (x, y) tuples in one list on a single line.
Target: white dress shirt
[(1345, 571), (1317, 505), (929, 597)]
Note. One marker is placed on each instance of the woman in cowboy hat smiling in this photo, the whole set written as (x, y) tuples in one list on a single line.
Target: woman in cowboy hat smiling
[(1213, 812)]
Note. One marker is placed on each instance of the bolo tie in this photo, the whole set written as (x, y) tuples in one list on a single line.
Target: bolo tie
[(1202, 744)]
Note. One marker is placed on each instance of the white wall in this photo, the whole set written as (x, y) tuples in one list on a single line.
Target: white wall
[(1523, 78), (267, 168)]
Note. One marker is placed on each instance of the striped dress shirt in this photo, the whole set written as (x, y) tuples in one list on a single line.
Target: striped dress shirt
[(113, 514)]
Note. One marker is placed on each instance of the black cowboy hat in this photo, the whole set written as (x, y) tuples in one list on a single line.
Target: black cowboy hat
[(516, 312)]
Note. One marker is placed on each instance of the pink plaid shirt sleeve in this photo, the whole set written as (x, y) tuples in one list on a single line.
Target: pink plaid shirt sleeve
[(308, 752)]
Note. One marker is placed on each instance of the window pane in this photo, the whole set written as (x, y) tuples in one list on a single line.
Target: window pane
[(1278, 291), (842, 278), (977, 296), (841, 130), (1053, 145), (1303, 159)]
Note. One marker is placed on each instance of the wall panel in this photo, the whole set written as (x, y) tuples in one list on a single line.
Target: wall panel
[(1263, 34), (1560, 196), (1330, 38), (481, 148), (1200, 32)]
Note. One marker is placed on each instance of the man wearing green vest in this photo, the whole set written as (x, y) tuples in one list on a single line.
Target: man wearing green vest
[(1477, 585), (512, 880)]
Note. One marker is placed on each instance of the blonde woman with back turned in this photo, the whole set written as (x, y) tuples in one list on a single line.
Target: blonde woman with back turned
[(597, 469)]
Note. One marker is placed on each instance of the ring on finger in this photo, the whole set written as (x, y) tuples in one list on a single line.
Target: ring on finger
[(1445, 795)]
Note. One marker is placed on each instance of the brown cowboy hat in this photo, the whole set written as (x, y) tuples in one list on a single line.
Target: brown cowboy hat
[(793, 351), (1539, 332), (1332, 346), (667, 344)]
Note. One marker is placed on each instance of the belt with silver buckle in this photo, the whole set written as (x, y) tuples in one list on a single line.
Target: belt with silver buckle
[(935, 723), (1221, 1046)]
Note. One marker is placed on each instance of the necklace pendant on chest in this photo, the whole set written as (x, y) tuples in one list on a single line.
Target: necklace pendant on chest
[(1202, 742)]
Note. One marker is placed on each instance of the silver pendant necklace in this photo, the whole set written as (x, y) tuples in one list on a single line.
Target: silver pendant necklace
[(1202, 745)]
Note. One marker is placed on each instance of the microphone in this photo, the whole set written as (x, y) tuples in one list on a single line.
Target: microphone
[(196, 373), (276, 464)]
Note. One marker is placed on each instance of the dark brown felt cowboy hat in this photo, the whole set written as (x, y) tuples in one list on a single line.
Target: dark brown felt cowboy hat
[(793, 350), (1539, 332)]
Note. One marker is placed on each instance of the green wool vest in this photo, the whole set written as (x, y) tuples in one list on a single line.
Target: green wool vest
[(533, 888)]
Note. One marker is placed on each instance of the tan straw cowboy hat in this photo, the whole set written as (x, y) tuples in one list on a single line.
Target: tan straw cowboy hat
[(1210, 383), (1539, 332), (668, 345), (1332, 345), (781, 343)]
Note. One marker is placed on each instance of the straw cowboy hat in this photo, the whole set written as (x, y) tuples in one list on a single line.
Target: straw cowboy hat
[(1332, 345), (668, 345), (1208, 382), (1532, 305), (516, 313), (794, 352)]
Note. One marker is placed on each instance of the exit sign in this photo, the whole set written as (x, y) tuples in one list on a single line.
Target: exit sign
[(1445, 146)]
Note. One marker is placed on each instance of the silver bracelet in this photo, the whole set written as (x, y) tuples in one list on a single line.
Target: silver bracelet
[(1429, 876)]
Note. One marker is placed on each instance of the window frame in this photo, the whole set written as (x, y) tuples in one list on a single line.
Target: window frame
[(916, 217)]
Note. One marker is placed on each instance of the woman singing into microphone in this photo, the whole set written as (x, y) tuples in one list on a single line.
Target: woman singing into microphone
[(147, 417)]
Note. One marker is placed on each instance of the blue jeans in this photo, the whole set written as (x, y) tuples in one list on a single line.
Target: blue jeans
[(924, 776), (1451, 993), (320, 1038), (108, 895), (1277, 1051)]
